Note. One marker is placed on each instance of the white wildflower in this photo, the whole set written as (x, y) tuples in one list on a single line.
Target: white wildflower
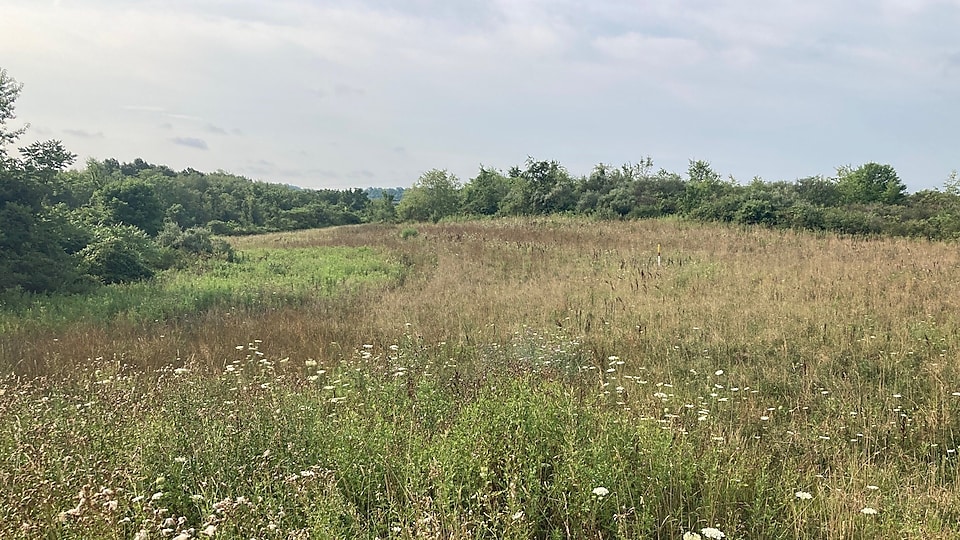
[(710, 532), (601, 491)]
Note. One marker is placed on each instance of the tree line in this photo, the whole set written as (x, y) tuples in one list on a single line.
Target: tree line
[(867, 200), (108, 222)]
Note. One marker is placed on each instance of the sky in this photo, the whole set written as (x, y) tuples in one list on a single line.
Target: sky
[(344, 94)]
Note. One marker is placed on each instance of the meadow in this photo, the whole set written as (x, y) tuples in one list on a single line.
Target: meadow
[(513, 378)]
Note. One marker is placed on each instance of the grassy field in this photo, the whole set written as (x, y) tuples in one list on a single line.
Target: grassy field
[(497, 379)]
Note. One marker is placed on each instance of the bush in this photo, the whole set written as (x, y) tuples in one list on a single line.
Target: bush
[(194, 241), (120, 253)]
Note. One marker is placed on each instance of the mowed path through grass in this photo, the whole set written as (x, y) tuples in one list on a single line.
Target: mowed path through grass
[(509, 378)]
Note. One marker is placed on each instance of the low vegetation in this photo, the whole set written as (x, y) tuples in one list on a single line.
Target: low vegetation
[(510, 378)]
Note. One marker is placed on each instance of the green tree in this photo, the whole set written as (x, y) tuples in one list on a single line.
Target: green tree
[(9, 92), (382, 209), (483, 195), (704, 186), (131, 202), (35, 243), (870, 183), (434, 196), (550, 187), (818, 190)]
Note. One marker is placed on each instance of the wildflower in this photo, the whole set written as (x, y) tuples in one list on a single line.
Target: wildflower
[(803, 495), (718, 372), (691, 536), (710, 532), (518, 515), (209, 530), (310, 362), (601, 491), (181, 371), (869, 511)]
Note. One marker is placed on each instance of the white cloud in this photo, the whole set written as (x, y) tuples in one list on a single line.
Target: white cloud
[(663, 52)]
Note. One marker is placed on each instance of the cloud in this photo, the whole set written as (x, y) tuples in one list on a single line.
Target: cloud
[(459, 83), (364, 174), (215, 129), (259, 168), (345, 90), (83, 134), (143, 108), (190, 142), (179, 116), (651, 50)]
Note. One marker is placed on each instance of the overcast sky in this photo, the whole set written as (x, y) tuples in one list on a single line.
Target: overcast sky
[(373, 93)]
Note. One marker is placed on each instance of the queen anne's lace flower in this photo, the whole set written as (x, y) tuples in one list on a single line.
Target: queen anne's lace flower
[(710, 532)]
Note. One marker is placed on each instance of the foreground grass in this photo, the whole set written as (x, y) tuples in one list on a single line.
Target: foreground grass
[(519, 367), (379, 447)]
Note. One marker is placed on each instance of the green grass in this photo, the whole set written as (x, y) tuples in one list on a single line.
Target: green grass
[(274, 448), (259, 279)]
